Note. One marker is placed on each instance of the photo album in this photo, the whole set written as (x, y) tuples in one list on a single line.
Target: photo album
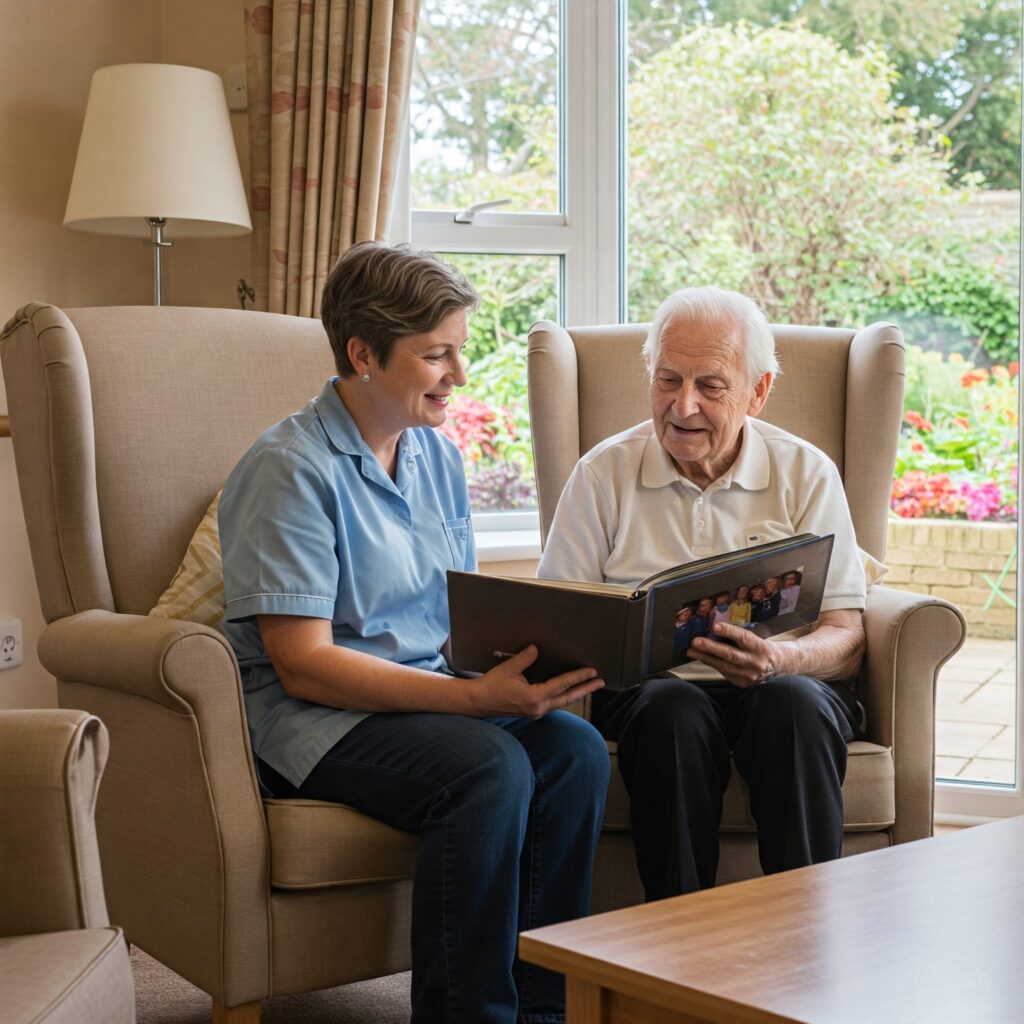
[(629, 632)]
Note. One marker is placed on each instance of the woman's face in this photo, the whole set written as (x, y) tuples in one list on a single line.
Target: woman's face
[(422, 373), (742, 593)]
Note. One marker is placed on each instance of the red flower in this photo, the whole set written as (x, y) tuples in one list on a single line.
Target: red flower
[(972, 377), (915, 419), (1014, 368)]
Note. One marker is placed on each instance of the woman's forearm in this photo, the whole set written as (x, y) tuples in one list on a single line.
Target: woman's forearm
[(312, 667)]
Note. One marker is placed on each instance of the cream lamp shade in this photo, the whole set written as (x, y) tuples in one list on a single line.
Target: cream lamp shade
[(157, 158)]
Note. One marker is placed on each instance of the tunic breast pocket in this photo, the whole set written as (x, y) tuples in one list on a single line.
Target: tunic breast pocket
[(457, 532)]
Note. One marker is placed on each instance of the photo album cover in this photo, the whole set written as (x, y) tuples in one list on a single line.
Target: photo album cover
[(629, 632)]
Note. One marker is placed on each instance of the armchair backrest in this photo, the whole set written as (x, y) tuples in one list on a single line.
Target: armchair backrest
[(126, 421), (842, 390)]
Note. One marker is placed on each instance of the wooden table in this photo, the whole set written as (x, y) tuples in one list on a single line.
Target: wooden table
[(927, 931)]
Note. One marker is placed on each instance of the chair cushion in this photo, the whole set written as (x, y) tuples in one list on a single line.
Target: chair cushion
[(316, 845), (869, 794), (197, 591), (72, 977)]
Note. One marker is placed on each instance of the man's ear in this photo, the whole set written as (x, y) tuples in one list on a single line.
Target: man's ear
[(762, 389), (360, 355)]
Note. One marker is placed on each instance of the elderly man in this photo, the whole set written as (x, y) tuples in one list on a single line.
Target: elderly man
[(703, 476)]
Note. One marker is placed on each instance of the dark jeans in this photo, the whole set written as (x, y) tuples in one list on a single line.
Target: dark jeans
[(788, 738), (509, 813)]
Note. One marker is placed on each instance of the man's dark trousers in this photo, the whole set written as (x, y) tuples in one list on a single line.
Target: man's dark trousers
[(788, 738)]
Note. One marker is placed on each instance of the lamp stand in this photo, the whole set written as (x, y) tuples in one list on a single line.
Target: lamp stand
[(156, 239)]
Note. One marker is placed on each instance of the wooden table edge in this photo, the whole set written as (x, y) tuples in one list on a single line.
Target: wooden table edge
[(668, 995)]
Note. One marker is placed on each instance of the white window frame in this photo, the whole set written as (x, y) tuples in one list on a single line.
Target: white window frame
[(586, 235)]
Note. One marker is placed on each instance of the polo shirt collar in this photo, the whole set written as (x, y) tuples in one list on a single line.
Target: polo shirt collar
[(751, 470), (342, 431)]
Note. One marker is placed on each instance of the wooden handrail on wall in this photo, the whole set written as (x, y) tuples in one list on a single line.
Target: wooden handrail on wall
[(5, 426)]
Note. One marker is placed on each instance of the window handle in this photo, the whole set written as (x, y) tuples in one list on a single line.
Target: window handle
[(466, 216)]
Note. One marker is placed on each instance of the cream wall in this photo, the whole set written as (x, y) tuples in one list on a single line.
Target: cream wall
[(48, 51)]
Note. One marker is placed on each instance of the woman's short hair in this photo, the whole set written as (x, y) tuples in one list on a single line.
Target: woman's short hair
[(380, 293), (711, 305)]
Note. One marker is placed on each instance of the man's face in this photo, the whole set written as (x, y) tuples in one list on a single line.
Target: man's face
[(700, 394), (705, 606), (684, 616)]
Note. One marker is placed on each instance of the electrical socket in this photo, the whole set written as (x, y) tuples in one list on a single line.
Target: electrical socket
[(10, 643), (237, 90)]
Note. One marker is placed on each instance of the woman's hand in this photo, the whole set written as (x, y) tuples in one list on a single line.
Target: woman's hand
[(505, 691), (312, 667)]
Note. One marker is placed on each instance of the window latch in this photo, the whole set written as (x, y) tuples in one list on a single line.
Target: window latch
[(466, 216)]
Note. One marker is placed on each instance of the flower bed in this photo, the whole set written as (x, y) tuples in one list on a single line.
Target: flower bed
[(954, 494), (958, 452), (499, 471)]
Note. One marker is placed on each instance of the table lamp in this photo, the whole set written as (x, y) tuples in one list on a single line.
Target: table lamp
[(157, 159)]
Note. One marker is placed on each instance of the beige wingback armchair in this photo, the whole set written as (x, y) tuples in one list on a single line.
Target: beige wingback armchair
[(125, 423), (61, 962), (841, 390)]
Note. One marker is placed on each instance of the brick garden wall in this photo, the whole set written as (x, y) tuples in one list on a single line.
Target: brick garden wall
[(947, 559)]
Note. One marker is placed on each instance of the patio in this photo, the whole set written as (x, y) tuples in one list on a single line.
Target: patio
[(974, 730)]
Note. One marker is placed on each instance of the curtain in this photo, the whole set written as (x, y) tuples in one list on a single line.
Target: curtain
[(328, 84)]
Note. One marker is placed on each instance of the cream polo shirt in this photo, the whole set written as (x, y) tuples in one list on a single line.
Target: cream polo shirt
[(627, 512)]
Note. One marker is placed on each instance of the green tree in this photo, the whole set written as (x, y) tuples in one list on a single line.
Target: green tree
[(484, 103), (957, 61), (772, 161)]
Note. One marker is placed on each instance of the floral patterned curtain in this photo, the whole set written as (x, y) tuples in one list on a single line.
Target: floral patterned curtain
[(328, 84)]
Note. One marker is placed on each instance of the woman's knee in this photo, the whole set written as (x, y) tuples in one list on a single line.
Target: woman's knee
[(578, 746), (494, 766)]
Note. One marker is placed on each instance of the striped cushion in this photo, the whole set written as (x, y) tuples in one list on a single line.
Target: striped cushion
[(197, 591)]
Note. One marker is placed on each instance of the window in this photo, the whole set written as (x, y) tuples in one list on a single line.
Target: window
[(860, 162), (508, 108)]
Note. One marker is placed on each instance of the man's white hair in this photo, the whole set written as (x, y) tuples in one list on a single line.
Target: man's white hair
[(711, 305)]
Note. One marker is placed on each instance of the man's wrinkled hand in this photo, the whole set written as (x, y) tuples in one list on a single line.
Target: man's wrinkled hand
[(745, 661)]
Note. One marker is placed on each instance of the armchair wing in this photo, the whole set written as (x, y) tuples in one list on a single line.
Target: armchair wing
[(59, 958)]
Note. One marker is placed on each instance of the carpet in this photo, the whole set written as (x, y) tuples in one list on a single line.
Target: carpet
[(162, 997)]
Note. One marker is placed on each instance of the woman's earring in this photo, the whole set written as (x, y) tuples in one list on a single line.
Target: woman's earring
[(365, 378)]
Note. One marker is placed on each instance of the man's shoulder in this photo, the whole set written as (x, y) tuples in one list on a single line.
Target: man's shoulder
[(786, 446), (622, 448)]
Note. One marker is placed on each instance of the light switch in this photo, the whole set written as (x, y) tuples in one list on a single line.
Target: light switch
[(237, 89)]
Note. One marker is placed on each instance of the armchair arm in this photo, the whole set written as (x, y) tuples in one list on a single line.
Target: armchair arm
[(143, 655), (909, 638), (49, 860), (181, 826)]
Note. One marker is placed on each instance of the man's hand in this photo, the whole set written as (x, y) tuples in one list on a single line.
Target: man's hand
[(832, 650), (505, 691), (752, 660)]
